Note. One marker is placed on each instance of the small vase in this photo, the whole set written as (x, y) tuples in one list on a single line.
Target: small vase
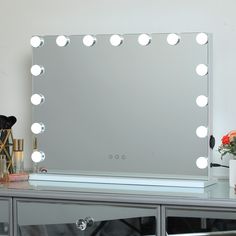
[(232, 173)]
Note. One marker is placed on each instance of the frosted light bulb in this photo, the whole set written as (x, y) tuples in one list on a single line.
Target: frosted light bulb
[(202, 38), (89, 40), (36, 41), (173, 39), (36, 70), (144, 39), (201, 131), (201, 69), (202, 101), (37, 156), (116, 40), (62, 40), (37, 128), (37, 99), (202, 162)]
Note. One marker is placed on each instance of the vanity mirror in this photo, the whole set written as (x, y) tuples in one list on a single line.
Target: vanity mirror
[(134, 105)]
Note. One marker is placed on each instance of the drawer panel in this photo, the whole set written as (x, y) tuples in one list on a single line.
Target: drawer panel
[(183, 220), (4, 211), (5, 217), (59, 218), (34, 213)]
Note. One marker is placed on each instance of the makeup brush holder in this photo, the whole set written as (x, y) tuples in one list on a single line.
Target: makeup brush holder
[(6, 147)]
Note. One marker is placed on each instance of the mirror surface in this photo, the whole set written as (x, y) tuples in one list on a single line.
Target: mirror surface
[(127, 109)]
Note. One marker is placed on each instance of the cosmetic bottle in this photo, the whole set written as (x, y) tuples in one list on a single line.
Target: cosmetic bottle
[(18, 156), (3, 167)]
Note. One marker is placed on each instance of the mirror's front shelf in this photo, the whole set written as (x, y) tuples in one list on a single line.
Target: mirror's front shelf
[(148, 180)]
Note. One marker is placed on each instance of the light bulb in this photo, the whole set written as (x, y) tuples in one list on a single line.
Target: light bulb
[(89, 40), (62, 40), (36, 41), (202, 162), (201, 131), (37, 156), (173, 39), (202, 101), (37, 70), (37, 99), (37, 128), (202, 69), (144, 39), (202, 38), (116, 40)]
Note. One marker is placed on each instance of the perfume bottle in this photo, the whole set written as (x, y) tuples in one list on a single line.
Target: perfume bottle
[(18, 156), (3, 167)]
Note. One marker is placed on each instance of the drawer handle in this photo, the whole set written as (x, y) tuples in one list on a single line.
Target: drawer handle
[(82, 224)]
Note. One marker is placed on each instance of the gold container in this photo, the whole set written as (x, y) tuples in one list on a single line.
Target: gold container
[(18, 156)]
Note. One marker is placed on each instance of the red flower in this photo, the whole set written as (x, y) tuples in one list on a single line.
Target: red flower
[(225, 140)]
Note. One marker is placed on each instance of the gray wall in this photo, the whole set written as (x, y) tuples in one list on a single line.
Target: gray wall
[(21, 19)]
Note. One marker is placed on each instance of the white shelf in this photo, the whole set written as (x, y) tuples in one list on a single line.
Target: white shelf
[(145, 181)]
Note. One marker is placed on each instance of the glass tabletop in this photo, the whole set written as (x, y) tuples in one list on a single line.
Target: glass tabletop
[(220, 190)]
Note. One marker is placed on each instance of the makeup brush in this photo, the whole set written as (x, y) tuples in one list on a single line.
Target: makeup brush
[(11, 120), (3, 121)]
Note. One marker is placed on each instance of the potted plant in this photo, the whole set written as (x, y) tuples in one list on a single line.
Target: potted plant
[(228, 146)]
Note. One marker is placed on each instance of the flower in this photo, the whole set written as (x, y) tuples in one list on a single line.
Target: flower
[(225, 140), (228, 144)]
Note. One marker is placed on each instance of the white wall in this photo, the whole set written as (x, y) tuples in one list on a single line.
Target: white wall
[(21, 19)]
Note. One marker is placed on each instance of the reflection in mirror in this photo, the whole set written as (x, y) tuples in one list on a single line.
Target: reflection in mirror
[(126, 111)]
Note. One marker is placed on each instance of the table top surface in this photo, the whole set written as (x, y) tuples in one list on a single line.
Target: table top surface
[(216, 195)]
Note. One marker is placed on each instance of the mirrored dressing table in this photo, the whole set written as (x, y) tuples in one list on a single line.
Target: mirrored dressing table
[(68, 207)]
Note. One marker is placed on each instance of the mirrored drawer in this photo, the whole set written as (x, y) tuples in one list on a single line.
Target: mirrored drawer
[(182, 220), (5, 208), (90, 219)]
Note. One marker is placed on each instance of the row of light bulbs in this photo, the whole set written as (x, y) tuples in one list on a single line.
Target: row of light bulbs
[(202, 101), (116, 40), (38, 99), (202, 132), (37, 70)]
